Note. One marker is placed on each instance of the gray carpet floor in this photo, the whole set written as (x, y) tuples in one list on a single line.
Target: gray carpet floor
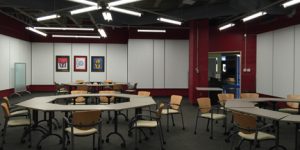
[(177, 139)]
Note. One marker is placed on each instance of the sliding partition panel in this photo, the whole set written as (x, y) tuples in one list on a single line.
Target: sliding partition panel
[(4, 62), (283, 62), (80, 50), (297, 60), (140, 62), (176, 63), (97, 50), (42, 63), (62, 49), (159, 64), (264, 61), (116, 65)]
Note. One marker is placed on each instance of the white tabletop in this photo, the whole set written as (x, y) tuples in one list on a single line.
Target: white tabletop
[(292, 118), (209, 89), (238, 104), (95, 85), (270, 114), (44, 103)]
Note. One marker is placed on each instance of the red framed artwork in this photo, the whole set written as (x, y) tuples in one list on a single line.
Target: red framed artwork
[(80, 63), (62, 64)]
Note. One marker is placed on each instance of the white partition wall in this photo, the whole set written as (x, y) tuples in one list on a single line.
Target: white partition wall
[(159, 64), (80, 50), (62, 49), (140, 62), (116, 62), (297, 60), (97, 50), (42, 63), (4, 62), (176, 64), (264, 54)]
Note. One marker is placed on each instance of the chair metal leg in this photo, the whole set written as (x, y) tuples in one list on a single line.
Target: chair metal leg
[(207, 125), (162, 133), (168, 120), (160, 137), (211, 128), (239, 145), (172, 117), (72, 141), (197, 117), (183, 127)]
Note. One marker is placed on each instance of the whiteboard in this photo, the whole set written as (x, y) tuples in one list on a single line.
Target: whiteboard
[(20, 77)]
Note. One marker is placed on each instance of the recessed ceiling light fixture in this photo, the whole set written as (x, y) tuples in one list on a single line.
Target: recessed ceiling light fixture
[(151, 30), (36, 31), (85, 2), (76, 36), (290, 3), (102, 33), (169, 21), (54, 16), (121, 2), (256, 15), (125, 11), (85, 9), (107, 16), (64, 28), (229, 25)]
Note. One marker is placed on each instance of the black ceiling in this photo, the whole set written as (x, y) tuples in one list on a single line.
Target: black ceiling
[(218, 11)]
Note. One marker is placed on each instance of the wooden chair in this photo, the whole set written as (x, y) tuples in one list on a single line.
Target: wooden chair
[(108, 87), (79, 100), (249, 95), (60, 89), (79, 81), (292, 106), (108, 81), (117, 87), (15, 110), (82, 124), (173, 108), (105, 99), (16, 121), (141, 121), (208, 112), (248, 129), (224, 97)]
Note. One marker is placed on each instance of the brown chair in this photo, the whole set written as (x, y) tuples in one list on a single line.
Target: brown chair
[(225, 97), (118, 87), (210, 113), (79, 81), (82, 88), (248, 129), (293, 107), (108, 87), (140, 122), (16, 121), (79, 100), (108, 81), (173, 108), (81, 124), (249, 95), (15, 110), (105, 99)]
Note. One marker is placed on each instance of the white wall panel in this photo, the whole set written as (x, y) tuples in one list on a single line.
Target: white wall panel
[(140, 62), (80, 50), (116, 62), (42, 63), (62, 49), (297, 60), (159, 63), (264, 61), (283, 61), (97, 50), (176, 63), (4, 62)]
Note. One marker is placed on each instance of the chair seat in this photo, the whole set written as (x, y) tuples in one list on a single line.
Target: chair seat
[(171, 111), (215, 116), (260, 136), (18, 122), (146, 124), (81, 132), (130, 90), (19, 112), (288, 110)]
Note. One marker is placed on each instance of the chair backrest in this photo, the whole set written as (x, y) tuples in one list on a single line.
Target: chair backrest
[(159, 110), (224, 97), (108, 81), (79, 81), (5, 109), (117, 87), (204, 104), (79, 99), (144, 93), (6, 100), (249, 95), (104, 99), (293, 104), (244, 122), (175, 99), (82, 87), (84, 120)]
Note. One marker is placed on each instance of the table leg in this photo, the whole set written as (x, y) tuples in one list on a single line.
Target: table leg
[(296, 136), (277, 146), (116, 130)]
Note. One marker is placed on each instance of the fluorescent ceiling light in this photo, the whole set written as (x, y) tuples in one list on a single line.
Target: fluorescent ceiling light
[(107, 16), (151, 30), (85, 9), (121, 2), (36, 31), (54, 16), (64, 28), (226, 26), (125, 11), (290, 3), (256, 15), (169, 21), (102, 33), (77, 36), (85, 2)]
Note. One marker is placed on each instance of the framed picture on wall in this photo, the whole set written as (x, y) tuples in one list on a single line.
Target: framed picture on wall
[(97, 64), (62, 63), (80, 63)]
